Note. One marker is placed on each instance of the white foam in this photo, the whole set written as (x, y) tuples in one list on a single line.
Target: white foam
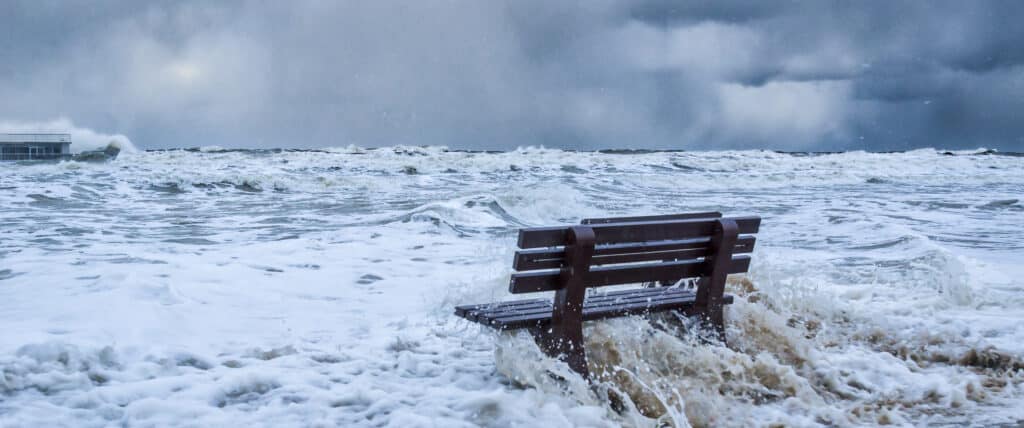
[(306, 288)]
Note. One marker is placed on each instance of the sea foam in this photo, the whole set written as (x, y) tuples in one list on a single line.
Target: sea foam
[(289, 287)]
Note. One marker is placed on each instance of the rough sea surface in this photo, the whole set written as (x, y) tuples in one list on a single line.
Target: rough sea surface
[(315, 288)]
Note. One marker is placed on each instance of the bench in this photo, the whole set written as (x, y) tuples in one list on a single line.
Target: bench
[(614, 251)]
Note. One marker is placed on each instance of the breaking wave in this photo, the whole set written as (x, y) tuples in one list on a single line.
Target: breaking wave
[(82, 139)]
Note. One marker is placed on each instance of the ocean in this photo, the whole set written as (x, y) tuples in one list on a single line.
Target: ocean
[(215, 287)]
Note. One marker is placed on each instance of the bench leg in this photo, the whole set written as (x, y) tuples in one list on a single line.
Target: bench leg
[(564, 343), (567, 341), (711, 289), (716, 320), (566, 336)]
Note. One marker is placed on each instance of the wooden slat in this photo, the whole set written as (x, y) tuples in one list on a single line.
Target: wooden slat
[(634, 232), (465, 311), (632, 296), (471, 312), (513, 309), (534, 281), (596, 313), (690, 254), (684, 216), (546, 258), (499, 309)]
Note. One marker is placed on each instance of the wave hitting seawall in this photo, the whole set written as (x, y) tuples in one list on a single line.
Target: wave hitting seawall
[(305, 288)]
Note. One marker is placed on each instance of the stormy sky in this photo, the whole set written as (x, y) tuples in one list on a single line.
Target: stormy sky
[(793, 75)]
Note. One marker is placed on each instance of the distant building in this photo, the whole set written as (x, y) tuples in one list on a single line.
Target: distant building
[(34, 146)]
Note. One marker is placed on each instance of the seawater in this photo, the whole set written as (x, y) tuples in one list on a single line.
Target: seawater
[(279, 287)]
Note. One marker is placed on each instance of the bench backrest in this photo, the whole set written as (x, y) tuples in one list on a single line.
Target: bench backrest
[(629, 250), (682, 216)]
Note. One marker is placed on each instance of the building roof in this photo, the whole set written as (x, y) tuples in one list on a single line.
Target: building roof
[(34, 138)]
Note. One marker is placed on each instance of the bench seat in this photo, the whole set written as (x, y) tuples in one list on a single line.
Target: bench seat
[(537, 312)]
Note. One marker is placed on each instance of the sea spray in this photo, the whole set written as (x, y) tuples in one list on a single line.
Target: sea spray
[(774, 360)]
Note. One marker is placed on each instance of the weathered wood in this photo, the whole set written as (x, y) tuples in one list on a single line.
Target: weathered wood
[(543, 308), (711, 288), (540, 316), (630, 308), (495, 309), (547, 258), (600, 276), (709, 214), (565, 337), (612, 233)]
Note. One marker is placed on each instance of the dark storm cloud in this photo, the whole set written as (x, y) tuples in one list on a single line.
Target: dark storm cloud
[(585, 74)]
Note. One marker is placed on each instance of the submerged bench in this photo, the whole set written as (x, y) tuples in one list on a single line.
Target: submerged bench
[(613, 251)]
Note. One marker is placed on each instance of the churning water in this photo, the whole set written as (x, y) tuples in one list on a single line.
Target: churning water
[(316, 288)]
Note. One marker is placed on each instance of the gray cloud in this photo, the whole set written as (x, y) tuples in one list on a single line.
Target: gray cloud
[(496, 75)]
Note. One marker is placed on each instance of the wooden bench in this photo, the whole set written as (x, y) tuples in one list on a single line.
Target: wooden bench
[(613, 251)]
